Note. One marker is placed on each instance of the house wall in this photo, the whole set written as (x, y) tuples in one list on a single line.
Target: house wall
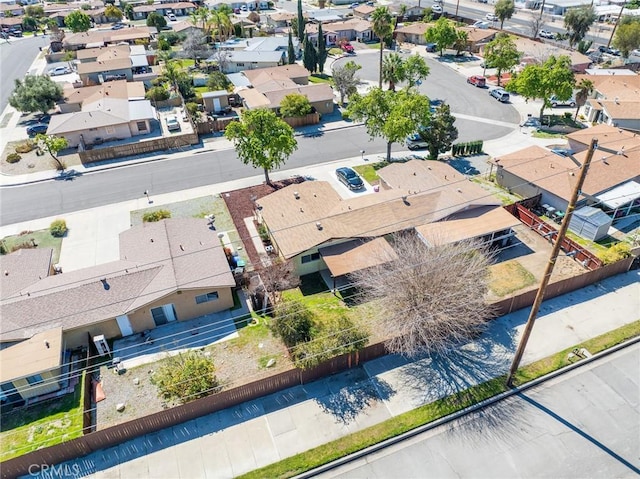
[(525, 189), (313, 266), (70, 107), (90, 135), (233, 67), (75, 338), (49, 385), (323, 107), (208, 102), (135, 131)]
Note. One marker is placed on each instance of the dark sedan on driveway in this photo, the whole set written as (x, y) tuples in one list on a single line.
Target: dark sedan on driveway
[(33, 130), (350, 178)]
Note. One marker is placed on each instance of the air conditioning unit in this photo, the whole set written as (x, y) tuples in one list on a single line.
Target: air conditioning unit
[(101, 345)]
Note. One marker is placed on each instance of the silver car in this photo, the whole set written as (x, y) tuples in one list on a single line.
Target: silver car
[(59, 71)]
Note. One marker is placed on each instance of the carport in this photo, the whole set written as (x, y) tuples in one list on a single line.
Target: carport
[(354, 255), (619, 201)]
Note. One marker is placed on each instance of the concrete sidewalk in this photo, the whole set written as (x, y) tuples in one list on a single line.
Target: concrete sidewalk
[(260, 432)]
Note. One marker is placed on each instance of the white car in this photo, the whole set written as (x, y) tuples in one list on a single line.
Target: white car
[(436, 9), (480, 24), (59, 71), (172, 123), (172, 17), (492, 17), (636, 52), (546, 34)]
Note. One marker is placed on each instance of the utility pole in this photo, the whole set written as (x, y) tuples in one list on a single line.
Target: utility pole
[(616, 25), (552, 262)]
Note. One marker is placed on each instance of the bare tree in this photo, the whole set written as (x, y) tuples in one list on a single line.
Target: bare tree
[(535, 24), (428, 298), (277, 278), (221, 58), (195, 45)]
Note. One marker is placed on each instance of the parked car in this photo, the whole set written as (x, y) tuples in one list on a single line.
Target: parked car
[(347, 47), (33, 130), (436, 9), (243, 8), (415, 142), (354, 5), (431, 47), (370, 3), (491, 17), (117, 26), (171, 17), (608, 50), (480, 24), (500, 95), (636, 52), (555, 102), (59, 71), (477, 80), (546, 34), (15, 32), (172, 123), (482, 1), (532, 122), (350, 178)]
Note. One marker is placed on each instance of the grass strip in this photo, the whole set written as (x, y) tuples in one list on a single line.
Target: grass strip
[(402, 423)]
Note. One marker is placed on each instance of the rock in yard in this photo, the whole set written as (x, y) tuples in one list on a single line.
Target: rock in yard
[(136, 381), (120, 407), (207, 354), (271, 363)]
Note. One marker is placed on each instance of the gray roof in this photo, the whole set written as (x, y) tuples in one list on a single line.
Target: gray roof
[(157, 259), (215, 94), (256, 56), (238, 79), (269, 44), (22, 268)]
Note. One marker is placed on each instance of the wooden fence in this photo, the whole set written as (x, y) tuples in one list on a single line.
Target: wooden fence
[(310, 119), (209, 126), (139, 148)]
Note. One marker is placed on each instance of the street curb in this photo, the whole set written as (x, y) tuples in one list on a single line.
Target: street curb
[(452, 417)]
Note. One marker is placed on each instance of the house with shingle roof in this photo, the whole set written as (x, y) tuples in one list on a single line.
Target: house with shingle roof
[(97, 38), (171, 270), (305, 219), (615, 100), (612, 183)]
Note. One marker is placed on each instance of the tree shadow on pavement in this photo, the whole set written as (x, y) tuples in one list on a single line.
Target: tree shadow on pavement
[(351, 400)]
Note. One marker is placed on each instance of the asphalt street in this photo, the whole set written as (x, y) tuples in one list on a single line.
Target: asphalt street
[(584, 424), (16, 56)]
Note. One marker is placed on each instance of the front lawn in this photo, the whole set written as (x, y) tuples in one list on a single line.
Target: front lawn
[(42, 425), (509, 277), (370, 171), (320, 78), (42, 239)]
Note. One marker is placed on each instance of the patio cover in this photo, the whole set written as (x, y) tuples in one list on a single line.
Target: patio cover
[(620, 195), (468, 224), (356, 255)]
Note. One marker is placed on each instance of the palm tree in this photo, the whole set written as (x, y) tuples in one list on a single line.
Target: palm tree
[(584, 89), (393, 70), (382, 26), (221, 20)]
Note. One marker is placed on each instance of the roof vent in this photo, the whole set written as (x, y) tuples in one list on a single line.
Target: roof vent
[(459, 190), (319, 226), (301, 210), (181, 248), (296, 195), (46, 343), (152, 240), (6, 273)]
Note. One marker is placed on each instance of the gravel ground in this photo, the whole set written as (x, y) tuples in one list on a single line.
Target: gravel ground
[(31, 163)]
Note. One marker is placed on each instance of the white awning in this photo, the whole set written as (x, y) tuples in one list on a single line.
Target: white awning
[(620, 195)]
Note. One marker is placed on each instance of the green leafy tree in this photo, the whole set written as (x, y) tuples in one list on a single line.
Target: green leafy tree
[(382, 25), (157, 93), (627, 35), (185, 377), (442, 33), (35, 11), (300, 23), (309, 59), (113, 13), (415, 68), (53, 145), (295, 104), (35, 93), (322, 49), (583, 90), (291, 52), (185, 86), (441, 132), (584, 46), (577, 21), (219, 81), (345, 79), (504, 10), (502, 54), (222, 22), (262, 139), (156, 20), (29, 24), (554, 77), (292, 322), (390, 115), (78, 21), (128, 11)]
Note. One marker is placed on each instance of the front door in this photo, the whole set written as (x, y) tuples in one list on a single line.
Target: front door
[(125, 325), (216, 105), (163, 314)]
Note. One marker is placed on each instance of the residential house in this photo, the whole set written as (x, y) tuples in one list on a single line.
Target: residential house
[(269, 86), (412, 33), (98, 38), (11, 10), (536, 51), (411, 12), (103, 64), (352, 30), (179, 9), (10, 22), (104, 116), (612, 183), (304, 220), (477, 38), (186, 27), (363, 11), (172, 270), (280, 20), (74, 97), (615, 100)]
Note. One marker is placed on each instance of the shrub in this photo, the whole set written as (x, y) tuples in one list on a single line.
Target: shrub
[(25, 147), (185, 377), (157, 93), (23, 245), (3, 248), (58, 228), (13, 158), (263, 232), (615, 253), (292, 323), (158, 215)]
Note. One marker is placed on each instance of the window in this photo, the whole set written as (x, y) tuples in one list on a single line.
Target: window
[(205, 298), (142, 126), (110, 130), (308, 258), (240, 64), (35, 379)]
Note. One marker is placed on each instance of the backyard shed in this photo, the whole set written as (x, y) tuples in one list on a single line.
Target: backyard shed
[(590, 223)]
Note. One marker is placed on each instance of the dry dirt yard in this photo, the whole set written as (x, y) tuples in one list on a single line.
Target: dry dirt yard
[(32, 163)]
